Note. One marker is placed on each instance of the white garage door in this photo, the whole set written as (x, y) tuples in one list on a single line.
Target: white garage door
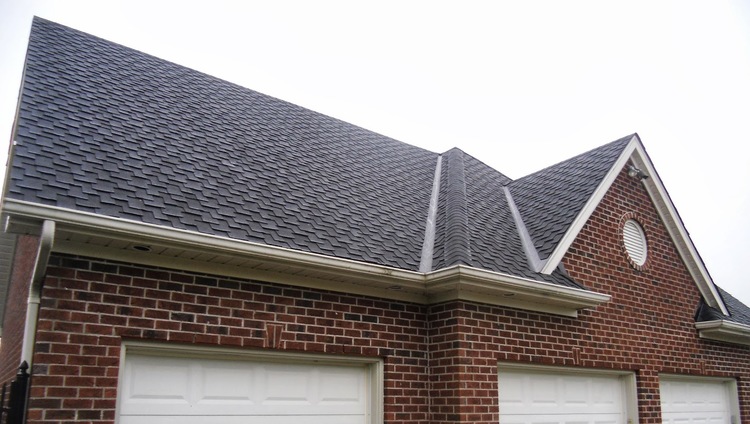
[(157, 389), (693, 401), (552, 397)]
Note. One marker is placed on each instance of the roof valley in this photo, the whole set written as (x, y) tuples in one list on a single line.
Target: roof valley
[(532, 255)]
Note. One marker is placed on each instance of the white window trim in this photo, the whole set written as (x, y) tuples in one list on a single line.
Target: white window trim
[(374, 365), (627, 379)]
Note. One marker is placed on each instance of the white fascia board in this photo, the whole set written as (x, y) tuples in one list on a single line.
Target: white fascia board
[(725, 331), (637, 153), (583, 216), (458, 282), (677, 230), (98, 225)]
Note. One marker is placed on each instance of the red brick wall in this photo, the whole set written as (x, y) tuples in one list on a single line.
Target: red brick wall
[(89, 307), (15, 307), (647, 328), (449, 351), (653, 307)]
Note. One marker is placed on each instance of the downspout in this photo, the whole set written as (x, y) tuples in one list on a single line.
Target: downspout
[(46, 240)]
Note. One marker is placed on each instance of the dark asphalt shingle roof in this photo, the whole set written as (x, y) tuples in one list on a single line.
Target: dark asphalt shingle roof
[(549, 200), (738, 311), (112, 131), (109, 130), (475, 225)]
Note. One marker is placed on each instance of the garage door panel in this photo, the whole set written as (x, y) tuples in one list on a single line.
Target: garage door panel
[(223, 382), (339, 386), (224, 419), (540, 397), (557, 419), (158, 381), (686, 401), (163, 388)]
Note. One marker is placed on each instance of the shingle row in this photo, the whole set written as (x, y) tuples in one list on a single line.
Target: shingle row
[(109, 130)]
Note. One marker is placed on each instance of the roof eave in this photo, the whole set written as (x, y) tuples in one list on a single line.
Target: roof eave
[(724, 331), (468, 283), (242, 259)]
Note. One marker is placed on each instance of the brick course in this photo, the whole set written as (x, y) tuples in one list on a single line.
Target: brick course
[(648, 327), (441, 361), (15, 306), (90, 306)]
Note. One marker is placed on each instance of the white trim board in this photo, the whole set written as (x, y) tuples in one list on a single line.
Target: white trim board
[(111, 238), (667, 212)]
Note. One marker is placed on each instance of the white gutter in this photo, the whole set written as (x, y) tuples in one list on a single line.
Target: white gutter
[(725, 331), (46, 242), (467, 283), (458, 282), (103, 226)]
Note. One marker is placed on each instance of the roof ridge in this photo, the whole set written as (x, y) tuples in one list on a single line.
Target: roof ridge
[(507, 179), (457, 243)]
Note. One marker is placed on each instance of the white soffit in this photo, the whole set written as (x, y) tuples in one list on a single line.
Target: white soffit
[(725, 331), (116, 239)]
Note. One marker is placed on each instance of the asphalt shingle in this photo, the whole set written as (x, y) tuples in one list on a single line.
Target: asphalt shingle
[(109, 130), (101, 126), (738, 311), (549, 200)]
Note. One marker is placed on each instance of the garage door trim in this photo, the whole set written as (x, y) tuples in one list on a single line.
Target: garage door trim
[(626, 378), (374, 366), (729, 383)]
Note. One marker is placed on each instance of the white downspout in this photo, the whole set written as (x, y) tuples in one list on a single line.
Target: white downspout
[(35, 290)]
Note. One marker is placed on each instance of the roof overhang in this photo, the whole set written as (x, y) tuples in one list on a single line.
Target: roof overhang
[(724, 331), (98, 236), (635, 152)]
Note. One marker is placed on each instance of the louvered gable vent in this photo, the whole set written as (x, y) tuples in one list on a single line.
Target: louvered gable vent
[(635, 242)]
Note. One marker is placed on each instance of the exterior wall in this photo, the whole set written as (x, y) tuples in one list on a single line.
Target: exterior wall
[(653, 306), (15, 307), (89, 307), (441, 361), (647, 328)]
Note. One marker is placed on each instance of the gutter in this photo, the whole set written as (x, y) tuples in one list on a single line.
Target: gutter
[(473, 284), (24, 218), (725, 331), (46, 242), (304, 269)]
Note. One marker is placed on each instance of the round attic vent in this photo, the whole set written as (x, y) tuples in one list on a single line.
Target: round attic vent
[(635, 242)]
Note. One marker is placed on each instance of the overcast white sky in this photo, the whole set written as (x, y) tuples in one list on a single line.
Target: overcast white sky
[(517, 84)]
